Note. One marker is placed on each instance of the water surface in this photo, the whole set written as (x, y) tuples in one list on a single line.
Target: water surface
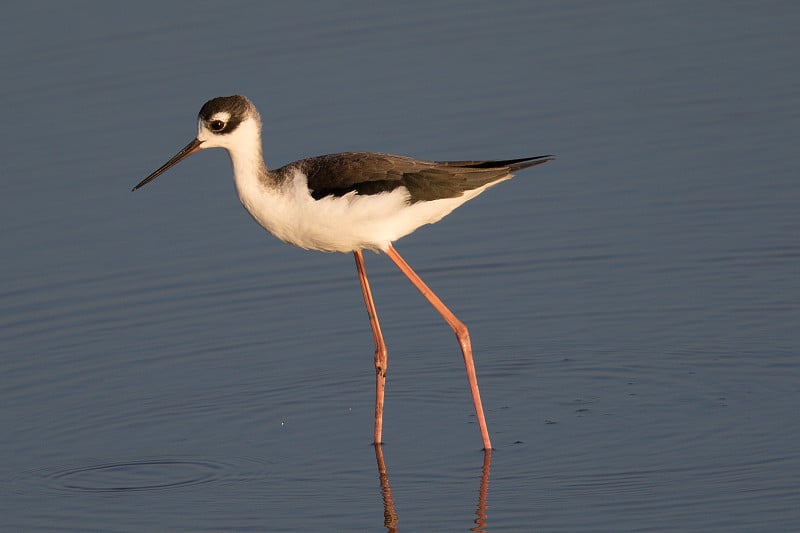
[(167, 365)]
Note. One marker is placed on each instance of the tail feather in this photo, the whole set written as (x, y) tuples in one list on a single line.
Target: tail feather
[(512, 164)]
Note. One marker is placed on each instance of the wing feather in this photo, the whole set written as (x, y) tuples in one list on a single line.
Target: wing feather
[(374, 173)]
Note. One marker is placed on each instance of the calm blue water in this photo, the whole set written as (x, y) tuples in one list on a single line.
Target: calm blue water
[(168, 366)]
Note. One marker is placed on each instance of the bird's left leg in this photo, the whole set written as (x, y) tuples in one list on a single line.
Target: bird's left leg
[(462, 334)]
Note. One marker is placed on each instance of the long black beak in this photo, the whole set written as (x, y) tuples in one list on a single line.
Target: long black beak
[(185, 152)]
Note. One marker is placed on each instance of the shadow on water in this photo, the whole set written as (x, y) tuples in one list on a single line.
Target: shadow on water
[(390, 518)]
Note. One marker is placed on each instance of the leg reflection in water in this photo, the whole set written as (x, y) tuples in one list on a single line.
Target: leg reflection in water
[(390, 518), (389, 514), (483, 494)]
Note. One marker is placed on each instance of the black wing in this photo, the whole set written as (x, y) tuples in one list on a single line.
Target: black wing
[(374, 173)]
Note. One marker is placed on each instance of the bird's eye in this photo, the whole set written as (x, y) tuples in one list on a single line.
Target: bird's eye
[(216, 125)]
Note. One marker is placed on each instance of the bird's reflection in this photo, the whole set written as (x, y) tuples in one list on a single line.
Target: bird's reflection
[(390, 519), (389, 514), (483, 493)]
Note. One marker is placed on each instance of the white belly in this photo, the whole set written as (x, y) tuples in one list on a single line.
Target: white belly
[(340, 223)]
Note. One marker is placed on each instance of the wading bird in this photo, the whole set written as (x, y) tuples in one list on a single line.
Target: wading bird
[(349, 202)]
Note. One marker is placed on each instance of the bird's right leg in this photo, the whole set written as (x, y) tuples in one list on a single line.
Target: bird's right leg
[(381, 354)]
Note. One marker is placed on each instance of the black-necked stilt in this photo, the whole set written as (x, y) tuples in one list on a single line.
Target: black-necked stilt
[(349, 202)]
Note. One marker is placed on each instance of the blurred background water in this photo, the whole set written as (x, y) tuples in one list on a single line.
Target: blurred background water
[(168, 366)]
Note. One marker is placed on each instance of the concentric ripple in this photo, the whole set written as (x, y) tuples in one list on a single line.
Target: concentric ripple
[(149, 474)]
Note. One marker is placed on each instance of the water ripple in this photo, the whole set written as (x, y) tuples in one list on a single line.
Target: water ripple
[(151, 474)]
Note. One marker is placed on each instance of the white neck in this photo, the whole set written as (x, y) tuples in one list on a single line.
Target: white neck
[(246, 155)]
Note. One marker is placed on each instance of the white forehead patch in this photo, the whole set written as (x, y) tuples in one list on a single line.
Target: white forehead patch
[(224, 116)]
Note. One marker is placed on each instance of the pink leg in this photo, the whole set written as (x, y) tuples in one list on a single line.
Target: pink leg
[(462, 334), (381, 354)]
